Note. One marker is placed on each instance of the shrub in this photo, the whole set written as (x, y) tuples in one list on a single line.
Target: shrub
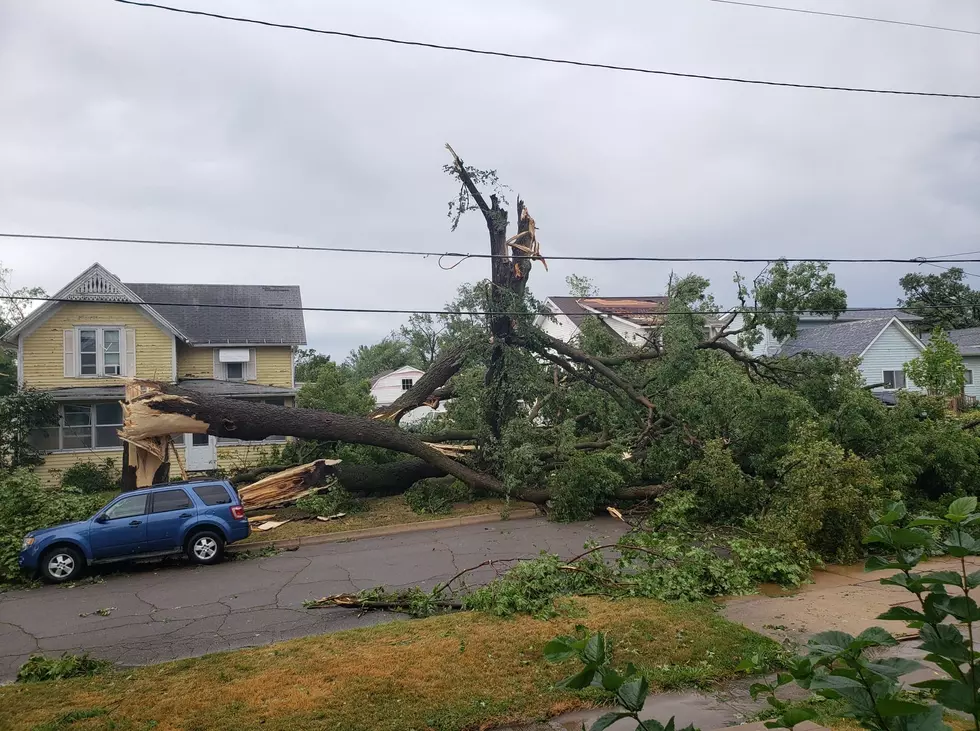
[(582, 484), (39, 668), (91, 477), (723, 492), (436, 496), (331, 501), (26, 506)]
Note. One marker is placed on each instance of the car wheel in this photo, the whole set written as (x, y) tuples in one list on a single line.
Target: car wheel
[(62, 564), (205, 547)]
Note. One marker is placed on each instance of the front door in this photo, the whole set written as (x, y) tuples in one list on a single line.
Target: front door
[(201, 452), (122, 530)]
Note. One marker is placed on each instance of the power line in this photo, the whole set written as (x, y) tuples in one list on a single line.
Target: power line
[(542, 59), (940, 266), (850, 17), (464, 255), (463, 313)]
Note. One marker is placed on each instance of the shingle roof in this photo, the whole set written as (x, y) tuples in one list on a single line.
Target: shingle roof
[(967, 340), (641, 311), (851, 315), (230, 325), (843, 339)]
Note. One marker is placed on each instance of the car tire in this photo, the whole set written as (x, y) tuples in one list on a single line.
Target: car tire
[(61, 564), (205, 547)]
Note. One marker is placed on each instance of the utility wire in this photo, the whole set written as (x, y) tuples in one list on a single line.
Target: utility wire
[(850, 17), (542, 59), (464, 313), (451, 254)]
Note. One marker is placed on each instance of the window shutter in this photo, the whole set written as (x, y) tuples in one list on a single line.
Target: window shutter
[(218, 368), (250, 370), (130, 369), (69, 353)]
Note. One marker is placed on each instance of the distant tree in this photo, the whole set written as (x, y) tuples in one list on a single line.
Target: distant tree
[(14, 306), (367, 361), (424, 335), (581, 286), (308, 362), (939, 370), (943, 300), (338, 390)]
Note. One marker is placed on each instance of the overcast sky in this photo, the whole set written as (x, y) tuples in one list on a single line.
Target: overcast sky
[(123, 121)]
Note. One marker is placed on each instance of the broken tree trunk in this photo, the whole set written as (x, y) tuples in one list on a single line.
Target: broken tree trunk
[(286, 486), (160, 410), (144, 458), (424, 392)]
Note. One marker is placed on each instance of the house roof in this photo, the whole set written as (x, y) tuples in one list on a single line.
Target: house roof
[(869, 314), (643, 311), (403, 369), (967, 340), (177, 308), (843, 339), (240, 325)]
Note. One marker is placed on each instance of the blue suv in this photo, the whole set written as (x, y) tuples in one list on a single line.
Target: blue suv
[(196, 518)]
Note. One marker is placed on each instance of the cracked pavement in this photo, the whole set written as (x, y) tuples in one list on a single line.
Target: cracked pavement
[(162, 612)]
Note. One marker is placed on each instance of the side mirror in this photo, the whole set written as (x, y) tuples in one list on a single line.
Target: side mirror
[(101, 518)]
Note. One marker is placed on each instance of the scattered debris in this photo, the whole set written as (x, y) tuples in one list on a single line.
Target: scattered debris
[(328, 518), (615, 513), (261, 518), (287, 486), (270, 524), (104, 612)]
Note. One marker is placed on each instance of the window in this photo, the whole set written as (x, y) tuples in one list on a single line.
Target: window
[(128, 507), (407, 384), (200, 440), (99, 351), (213, 494), (893, 380), (235, 371), (968, 377), (164, 502), (82, 426)]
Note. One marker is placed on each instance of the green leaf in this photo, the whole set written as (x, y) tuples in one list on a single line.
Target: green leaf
[(783, 679), (833, 639), (911, 537), (960, 508), (945, 640), (581, 679), (934, 608), (962, 607), (595, 649), (873, 637), (611, 680), (950, 578), (927, 520), (973, 580), (903, 614), (558, 650), (895, 707), (876, 563), (756, 688), (931, 720), (958, 696), (894, 511), (797, 715), (633, 693), (960, 544), (608, 719), (748, 664), (835, 682), (893, 667), (880, 534)]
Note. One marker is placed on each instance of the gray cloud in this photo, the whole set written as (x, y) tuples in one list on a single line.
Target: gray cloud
[(122, 121)]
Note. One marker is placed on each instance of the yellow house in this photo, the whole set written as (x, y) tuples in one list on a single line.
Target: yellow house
[(97, 331)]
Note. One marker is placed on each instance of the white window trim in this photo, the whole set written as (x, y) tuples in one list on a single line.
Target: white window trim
[(100, 351), (895, 370), (92, 426), (970, 381)]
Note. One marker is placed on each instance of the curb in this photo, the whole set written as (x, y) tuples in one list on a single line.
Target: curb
[(386, 530)]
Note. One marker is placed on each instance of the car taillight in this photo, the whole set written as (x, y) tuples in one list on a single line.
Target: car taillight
[(237, 512)]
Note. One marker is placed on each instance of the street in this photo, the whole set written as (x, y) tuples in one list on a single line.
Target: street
[(161, 613)]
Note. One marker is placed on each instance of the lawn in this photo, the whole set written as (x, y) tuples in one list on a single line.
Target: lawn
[(461, 671), (376, 512)]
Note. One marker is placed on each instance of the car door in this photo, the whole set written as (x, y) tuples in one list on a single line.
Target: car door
[(170, 512), (120, 529)]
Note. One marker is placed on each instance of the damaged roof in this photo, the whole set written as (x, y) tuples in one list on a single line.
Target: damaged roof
[(244, 324), (843, 339), (646, 311)]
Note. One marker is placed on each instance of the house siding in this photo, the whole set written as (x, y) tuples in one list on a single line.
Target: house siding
[(559, 326), (43, 349), (194, 362), (274, 366), (890, 352), (387, 389)]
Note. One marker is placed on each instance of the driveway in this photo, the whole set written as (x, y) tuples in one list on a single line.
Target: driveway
[(166, 613)]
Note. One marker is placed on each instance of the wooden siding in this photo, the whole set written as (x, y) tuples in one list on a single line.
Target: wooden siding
[(274, 366), (231, 458), (194, 362), (972, 363), (890, 352), (43, 349)]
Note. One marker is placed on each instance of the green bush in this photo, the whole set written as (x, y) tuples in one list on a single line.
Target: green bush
[(331, 501), (39, 668), (435, 496), (91, 477), (582, 484), (26, 506)]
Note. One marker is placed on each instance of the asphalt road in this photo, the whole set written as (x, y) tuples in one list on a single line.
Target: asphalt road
[(158, 613)]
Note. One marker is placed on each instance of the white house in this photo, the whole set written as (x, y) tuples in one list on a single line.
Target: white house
[(884, 345), (387, 387), (632, 318)]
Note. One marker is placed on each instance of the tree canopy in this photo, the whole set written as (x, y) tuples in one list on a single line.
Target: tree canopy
[(944, 300)]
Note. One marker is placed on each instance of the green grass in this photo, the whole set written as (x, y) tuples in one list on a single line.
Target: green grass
[(460, 671)]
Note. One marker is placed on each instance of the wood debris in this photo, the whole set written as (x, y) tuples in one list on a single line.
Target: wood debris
[(261, 518), (328, 518), (269, 525), (287, 486)]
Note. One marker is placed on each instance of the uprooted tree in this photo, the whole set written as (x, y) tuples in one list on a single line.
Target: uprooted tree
[(542, 419)]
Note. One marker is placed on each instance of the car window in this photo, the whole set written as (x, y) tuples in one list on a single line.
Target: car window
[(168, 500), (127, 507), (213, 494)]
